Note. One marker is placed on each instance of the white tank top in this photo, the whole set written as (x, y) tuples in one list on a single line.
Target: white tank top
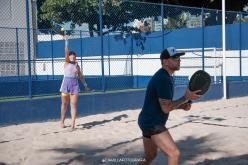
[(70, 71)]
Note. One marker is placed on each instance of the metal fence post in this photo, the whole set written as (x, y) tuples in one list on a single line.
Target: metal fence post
[(108, 55), (81, 49), (17, 55), (28, 51), (162, 17), (131, 52), (203, 25), (102, 56), (240, 46), (51, 31)]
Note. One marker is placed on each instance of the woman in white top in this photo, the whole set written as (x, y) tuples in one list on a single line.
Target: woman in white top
[(70, 86)]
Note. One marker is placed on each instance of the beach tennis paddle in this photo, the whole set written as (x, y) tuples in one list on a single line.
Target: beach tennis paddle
[(200, 80)]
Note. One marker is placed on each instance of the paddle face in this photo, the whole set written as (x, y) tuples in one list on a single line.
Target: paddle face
[(200, 80)]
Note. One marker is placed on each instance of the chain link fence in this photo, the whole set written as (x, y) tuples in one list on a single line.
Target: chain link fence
[(123, 53)]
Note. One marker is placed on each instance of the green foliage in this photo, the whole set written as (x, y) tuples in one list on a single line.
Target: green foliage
[(116, 14), (75, 12)]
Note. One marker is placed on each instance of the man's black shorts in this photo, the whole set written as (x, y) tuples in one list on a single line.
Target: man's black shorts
[(148, 132)]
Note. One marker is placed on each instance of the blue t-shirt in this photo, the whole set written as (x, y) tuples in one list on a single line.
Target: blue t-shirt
[(160, 86)]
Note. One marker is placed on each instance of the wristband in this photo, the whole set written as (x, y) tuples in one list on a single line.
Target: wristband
[(66, 43)]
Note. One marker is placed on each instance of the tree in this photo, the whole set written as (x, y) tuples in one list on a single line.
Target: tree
[(77, 12), (116, 15), (231, 5), (42, 23)]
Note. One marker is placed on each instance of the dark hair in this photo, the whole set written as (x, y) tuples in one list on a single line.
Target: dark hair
[(72, 53)]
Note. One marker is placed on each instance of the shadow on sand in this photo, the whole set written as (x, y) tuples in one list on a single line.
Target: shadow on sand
[(96, 123), (126, 152)]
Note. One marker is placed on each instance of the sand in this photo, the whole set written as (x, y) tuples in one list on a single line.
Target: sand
[(213, 132)]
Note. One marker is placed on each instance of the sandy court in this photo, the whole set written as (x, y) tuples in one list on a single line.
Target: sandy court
[(213, 132)]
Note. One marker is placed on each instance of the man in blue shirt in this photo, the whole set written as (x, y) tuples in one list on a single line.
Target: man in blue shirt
[(157, 105)]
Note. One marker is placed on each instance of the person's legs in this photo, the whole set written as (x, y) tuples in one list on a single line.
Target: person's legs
[(64, 102), (167, 145), (74, 100), (150, 151)]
